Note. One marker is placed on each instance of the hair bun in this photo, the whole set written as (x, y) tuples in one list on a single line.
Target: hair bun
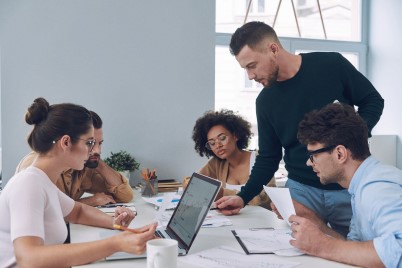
[(37, 112)]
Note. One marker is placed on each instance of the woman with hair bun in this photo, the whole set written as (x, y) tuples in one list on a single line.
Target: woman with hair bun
[(224, 136), (33, 210)]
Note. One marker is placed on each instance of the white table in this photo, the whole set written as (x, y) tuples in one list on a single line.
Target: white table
[(207, 238)]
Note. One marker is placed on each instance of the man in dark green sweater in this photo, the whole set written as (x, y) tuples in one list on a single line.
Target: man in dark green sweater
[(293, 86)]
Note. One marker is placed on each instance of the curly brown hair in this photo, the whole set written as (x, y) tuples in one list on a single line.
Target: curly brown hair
[(234, 123), (336, 124)]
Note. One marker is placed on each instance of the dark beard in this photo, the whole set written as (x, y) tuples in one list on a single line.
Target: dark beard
[(273, 77), (91, 163)]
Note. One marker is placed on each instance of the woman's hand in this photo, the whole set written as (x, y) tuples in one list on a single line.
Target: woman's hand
[(123, 216), (135, 243)]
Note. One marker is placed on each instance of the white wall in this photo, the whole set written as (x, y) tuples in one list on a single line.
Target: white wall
[(385, 65), (147, 68)]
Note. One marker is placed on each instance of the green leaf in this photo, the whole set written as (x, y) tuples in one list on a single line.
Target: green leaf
[(121, 161)]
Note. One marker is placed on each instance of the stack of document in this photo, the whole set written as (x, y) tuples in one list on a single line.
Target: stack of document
[(168, 186)]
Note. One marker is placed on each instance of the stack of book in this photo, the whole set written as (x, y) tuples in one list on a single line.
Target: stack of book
[(168, 186)]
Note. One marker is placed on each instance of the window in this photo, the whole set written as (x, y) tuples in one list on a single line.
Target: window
[(325, 19), (300, 29)]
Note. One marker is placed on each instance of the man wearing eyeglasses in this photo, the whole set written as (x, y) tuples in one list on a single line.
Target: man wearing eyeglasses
[(293, 86), (97, 178), (336, 139)]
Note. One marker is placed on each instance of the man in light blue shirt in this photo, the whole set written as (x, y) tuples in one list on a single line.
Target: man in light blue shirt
[(336, 139)]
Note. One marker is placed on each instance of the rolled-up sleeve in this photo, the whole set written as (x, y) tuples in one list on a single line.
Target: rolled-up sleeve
[(389, 249)]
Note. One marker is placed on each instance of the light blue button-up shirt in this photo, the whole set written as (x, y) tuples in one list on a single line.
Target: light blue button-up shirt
[(376, 191)]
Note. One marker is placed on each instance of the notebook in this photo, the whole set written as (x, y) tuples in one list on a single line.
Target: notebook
[(188, 216)]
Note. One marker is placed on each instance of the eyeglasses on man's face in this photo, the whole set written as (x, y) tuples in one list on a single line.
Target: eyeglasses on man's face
[(90, 143), (325, 149), (212, 143)]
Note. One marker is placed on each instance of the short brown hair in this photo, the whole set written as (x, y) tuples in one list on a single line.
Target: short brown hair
[(251, 34)]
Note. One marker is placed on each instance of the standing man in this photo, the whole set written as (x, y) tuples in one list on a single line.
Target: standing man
[(97, 178), (336, 139), (293, 86)]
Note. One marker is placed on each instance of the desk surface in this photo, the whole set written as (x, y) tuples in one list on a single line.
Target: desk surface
[(207, 238)]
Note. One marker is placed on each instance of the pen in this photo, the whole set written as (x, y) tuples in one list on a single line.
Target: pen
[(123, 228), (215, 208), (262, 228), (112, 206)]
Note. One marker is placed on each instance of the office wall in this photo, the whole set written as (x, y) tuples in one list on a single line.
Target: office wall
[(385, 65), (147, 68)]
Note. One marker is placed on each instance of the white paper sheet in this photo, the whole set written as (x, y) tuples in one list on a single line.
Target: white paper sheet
[(227, 257), (168, 200), (282, 200), (259, 240), (213, 219)]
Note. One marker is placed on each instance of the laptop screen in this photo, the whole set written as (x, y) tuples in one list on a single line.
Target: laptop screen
[(193, 207)]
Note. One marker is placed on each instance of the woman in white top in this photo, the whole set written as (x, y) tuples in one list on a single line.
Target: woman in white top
[(33, 210), (224, 136)]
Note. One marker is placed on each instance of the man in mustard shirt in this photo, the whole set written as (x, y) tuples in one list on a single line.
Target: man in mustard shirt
[(97, 178)]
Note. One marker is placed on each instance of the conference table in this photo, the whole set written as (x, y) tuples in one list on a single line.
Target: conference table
[(207, 238)]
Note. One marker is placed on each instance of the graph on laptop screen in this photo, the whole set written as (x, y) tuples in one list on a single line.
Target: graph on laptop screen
[(189, 215)]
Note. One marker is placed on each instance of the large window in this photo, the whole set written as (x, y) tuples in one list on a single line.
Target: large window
[(325, 19), (304, 26)]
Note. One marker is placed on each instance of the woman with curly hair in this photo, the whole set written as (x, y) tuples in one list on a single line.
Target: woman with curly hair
[(224, 136)]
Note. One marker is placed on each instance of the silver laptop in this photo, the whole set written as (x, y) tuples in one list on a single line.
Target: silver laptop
[(188, 216)]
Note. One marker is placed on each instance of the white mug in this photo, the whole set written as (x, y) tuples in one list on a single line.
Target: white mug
[(162, 253)]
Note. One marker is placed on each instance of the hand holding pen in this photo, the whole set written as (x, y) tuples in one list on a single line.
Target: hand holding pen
[(134, 240), (123, 216)]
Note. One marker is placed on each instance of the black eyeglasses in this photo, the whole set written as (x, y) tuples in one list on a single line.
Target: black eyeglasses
[(325, 149), (90, 143), (221, 139)]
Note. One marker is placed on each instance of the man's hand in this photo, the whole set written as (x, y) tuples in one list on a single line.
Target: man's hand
[(305, 212), (230, 205), (307, 236), (98, 199), (123, 216)]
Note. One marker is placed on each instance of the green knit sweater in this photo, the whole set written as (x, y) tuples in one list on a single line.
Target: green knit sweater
[(323, 78)]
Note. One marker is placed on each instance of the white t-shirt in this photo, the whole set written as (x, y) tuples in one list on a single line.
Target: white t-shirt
[(31, 205), (237, 187)]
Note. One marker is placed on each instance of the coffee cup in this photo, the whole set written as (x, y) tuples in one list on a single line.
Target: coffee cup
[(162, 253)]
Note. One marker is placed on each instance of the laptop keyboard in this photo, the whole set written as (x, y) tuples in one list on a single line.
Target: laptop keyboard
[(160, 235)]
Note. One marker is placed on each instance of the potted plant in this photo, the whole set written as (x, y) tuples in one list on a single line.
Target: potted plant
[(123, 162)]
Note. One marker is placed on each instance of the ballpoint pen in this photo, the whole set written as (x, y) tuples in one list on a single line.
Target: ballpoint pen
[(112, 205), (262, 228)]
